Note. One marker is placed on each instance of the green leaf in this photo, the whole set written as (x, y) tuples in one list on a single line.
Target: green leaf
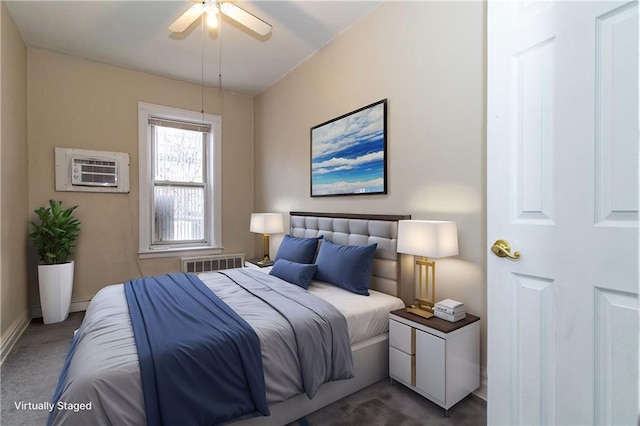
[(55, 236)]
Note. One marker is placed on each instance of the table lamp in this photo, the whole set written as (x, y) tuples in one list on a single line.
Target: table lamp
[(426, 240), (265, 224)]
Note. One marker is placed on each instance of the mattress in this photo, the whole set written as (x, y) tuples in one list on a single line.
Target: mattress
[(367, 316)]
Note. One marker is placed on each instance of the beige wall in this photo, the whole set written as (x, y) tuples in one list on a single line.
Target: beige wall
[(428, 60), (75, 103), (13, 175)]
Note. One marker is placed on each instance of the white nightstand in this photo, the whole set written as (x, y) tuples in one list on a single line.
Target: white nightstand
[(256, 264), (438, 359)]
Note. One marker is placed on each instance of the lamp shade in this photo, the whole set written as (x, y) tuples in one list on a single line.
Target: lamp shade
[(266, 223), (429, 238)]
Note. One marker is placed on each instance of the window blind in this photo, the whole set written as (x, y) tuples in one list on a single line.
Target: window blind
[(183, 125)]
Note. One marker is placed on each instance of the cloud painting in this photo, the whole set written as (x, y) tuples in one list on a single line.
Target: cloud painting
[(348, 154)]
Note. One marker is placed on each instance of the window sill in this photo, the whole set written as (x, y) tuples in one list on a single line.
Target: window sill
[(178, 252)]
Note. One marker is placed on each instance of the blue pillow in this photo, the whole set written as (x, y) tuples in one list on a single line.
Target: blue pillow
[(299, 250), (299, 274), (348, 267)]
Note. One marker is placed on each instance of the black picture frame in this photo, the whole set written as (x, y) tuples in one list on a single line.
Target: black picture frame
[(349, 153)]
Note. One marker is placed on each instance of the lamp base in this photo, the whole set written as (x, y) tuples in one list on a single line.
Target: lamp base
[(420, 312)]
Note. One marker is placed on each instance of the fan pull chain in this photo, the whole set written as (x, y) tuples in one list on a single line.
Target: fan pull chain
[(219, 51), (202, 65)]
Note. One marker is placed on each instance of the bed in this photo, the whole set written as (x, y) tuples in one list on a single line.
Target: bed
[(104, 367)]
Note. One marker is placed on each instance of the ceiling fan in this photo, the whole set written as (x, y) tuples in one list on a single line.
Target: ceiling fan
[(212, 8)]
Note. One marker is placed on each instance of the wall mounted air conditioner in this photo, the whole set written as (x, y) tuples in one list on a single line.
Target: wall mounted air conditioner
[(91, 171)]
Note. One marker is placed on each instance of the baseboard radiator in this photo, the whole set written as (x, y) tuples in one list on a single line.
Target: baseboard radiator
[(212, 263)]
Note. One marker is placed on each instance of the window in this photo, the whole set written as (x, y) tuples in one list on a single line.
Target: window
[(180, 169)]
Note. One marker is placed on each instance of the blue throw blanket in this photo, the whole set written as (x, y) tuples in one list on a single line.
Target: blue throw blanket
[(200, 362)]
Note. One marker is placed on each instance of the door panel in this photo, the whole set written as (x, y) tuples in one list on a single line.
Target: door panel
[(532, 138), (533, 350), (616, 357), (616, 126)]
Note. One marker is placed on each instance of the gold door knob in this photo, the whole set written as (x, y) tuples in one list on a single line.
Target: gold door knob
[(502, 248)]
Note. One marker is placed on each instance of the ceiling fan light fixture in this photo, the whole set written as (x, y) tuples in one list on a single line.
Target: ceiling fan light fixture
[(245, 18), (212, 8), (212, 17)]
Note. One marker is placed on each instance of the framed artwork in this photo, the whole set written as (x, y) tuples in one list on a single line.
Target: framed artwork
[(349, 153)]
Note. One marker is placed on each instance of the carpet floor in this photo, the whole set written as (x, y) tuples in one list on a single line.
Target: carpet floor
[(30, 374)]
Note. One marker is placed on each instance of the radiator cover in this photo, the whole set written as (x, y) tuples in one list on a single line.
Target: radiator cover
[(212, 263)]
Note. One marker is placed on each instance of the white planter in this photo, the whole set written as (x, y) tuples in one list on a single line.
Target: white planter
[(56, 284)]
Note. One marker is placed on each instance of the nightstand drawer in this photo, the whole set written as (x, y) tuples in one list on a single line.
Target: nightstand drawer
[(400, 337), (402, 366)]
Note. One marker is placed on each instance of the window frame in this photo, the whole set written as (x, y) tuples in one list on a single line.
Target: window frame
[(213, 173)]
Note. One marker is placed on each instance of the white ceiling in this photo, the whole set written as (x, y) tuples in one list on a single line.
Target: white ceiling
[(134, 35)]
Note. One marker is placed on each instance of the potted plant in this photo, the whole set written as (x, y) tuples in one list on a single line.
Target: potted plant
[(54, 238)]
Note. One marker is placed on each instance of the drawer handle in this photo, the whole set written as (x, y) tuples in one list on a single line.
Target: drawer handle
[(413, 356)]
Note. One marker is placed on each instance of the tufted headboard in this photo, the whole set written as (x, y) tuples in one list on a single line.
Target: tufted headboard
[(390, 269)]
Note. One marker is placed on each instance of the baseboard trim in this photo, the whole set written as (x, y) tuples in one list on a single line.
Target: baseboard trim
[(481, 392), (12, 336), (76, 306)]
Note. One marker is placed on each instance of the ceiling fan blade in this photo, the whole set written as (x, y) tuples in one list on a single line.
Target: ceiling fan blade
[(245, 18), (187, 18)]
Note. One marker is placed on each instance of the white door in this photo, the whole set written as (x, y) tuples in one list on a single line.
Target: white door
[(562, 188)]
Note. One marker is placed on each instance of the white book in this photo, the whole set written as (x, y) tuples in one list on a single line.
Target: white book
[(449, 303), (449, 317), (457, 310)]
